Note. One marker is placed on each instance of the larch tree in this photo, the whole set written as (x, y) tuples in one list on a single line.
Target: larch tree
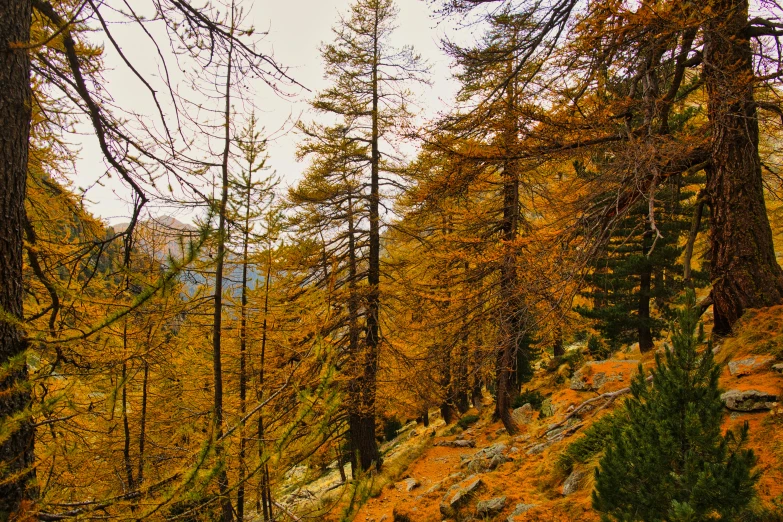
[(62, 64), (250, 200), (16, 436), (492, 128), (664, 53), (331, 203), (369, 93)]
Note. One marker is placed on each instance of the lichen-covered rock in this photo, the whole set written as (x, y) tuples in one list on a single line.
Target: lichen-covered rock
[(778, 367), (748, 400), (523, 414), (520, 509), (747, 366), (594, 375), (486, 459), (538, 448), (491, 507), (458, 495), (573, 482), (457, 443), (548, 409), (409, 484)]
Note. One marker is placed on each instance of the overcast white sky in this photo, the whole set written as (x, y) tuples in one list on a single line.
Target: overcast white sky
[(296, 30)]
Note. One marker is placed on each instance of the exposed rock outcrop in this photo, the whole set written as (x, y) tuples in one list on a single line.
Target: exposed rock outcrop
[(748, 400)]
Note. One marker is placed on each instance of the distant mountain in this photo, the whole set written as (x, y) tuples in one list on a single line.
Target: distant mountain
[(161, 236)]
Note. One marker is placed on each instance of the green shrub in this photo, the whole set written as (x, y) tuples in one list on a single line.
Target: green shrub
[(592, 443), (532, 397), (467, 420), (671, 460), (391, 426)]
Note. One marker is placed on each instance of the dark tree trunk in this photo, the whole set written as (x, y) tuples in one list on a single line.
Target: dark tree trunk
[(447, 409), (644, 332), (362, 422), (126, 430), (143, 427), (460, 379), (227, 509), (505, 367), (475, 394), (558, 350), (745, 273), (16, 449), (264, 499)]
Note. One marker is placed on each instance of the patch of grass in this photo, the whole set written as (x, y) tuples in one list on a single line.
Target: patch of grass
[(467, 420), (759, 331), (591, 444)]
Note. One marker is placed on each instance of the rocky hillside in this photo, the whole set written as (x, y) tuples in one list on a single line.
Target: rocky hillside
[(480, 472)]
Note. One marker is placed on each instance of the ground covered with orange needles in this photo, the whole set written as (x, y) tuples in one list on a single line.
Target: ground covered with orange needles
[(496, 476)]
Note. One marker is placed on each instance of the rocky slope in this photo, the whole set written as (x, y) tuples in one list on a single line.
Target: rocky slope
[(440, 473)]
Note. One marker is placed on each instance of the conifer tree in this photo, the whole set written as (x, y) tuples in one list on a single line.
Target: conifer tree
[(249, 200), (640, 268), (670, 458), (369, 94)]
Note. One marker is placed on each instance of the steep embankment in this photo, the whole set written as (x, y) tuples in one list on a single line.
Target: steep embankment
[(545, 473)]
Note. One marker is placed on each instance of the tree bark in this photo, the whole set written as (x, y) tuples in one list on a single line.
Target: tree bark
[(143, 427), (506, 366), (243, 352), (643, 312), (362, 423), (16, 451), (558, 350), (227, 510), (745, 273)]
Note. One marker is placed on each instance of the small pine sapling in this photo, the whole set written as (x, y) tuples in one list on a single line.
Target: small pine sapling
[(670, 461)]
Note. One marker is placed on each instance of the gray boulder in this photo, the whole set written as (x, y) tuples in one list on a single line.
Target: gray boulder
[(457, 443), (742, 367), (538, 448), (411, 484), (491, 507), (458, 495), (523, 414), (748, 400), (519, 510), (486, 459), (573, 482)]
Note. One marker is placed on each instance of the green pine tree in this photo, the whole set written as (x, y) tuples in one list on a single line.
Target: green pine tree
[(670, 461), (634, 284)]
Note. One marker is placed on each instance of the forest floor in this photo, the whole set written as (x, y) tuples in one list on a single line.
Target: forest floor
[(442, 472)]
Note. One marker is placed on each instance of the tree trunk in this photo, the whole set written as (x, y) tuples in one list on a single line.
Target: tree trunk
[(447, 409), (126, 428), (509, 312), (16, 448), (558, 350), (217, 315), (745, 273), (643, 311), (143, 427), (362, 423), (243, 354), (264, 499)]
